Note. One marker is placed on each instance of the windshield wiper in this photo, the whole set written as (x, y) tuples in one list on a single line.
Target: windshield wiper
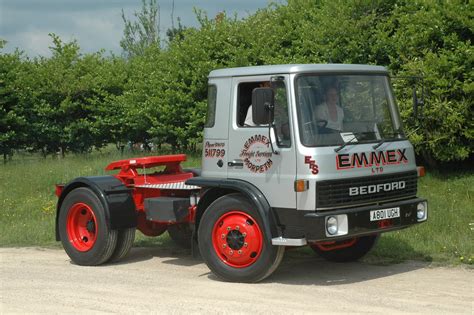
[(342, 146), (378, 144)]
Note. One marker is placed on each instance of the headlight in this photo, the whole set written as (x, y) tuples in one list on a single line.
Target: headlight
[(331, 225), (336, 225)]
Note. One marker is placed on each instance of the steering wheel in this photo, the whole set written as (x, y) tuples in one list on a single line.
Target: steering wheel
[(322, 127), (321, 123)]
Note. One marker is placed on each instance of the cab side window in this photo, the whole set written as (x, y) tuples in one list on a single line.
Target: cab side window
[(281, 118), (244, 104), (211, 106)]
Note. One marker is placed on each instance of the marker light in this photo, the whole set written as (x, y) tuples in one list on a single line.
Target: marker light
[(421, 211), (301, 185), (421, 171)]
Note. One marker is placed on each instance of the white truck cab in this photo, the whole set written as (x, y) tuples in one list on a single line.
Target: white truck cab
[(324, 161)]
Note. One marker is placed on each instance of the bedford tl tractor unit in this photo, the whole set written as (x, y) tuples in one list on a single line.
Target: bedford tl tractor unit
[(293, 155)]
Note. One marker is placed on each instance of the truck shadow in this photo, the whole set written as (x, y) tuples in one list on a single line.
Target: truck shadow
[(303, 266), (176, 256), (300, 266), (316, 271)]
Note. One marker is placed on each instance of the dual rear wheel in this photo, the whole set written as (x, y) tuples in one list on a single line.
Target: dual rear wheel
[(85, 234)]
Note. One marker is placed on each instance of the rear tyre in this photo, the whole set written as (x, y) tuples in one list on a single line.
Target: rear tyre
[(125, 240), (233, 243), (181, 234), (346, 250), (83, 229)]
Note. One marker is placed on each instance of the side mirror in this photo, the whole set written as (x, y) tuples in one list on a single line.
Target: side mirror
[(263, 101)]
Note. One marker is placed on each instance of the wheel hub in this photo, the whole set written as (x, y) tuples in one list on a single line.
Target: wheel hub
[(81, 227), (237, 239), (90, 226)]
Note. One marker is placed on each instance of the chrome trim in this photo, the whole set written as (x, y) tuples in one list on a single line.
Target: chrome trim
[(281, 241), (174, 186)]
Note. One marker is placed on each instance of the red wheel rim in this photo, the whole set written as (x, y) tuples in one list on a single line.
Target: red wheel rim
[(81, 227), (237, 239)]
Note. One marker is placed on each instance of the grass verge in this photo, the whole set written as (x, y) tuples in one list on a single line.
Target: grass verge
[(448, 235), (28, 209)]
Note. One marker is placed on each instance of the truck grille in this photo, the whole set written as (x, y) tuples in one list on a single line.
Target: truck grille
[(336, 193)]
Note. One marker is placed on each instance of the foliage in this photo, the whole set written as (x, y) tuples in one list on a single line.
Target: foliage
[(434, 40), (175, 33), (75, 102), (12, 120), (144, 32), (62, 98)]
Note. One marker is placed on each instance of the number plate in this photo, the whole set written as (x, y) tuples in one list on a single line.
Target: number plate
[(376, 215)]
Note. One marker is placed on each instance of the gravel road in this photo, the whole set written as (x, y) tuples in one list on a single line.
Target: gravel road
[(36, 280)]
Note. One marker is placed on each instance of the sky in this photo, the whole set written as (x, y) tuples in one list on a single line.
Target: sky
[(96, 24)]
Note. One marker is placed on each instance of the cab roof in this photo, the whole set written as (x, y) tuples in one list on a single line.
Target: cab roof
[(294, 68)]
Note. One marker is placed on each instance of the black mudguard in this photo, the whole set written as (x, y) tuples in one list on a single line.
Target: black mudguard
[(248, 190), (116, 198)]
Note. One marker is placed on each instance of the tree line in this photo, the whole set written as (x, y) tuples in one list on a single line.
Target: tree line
[(75, 102)]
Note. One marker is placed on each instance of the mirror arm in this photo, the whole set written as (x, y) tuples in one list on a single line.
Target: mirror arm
[(422, 103), (415, 102), (271, 108)]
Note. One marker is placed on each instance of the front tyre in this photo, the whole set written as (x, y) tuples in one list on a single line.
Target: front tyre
[(346, 250), (83, 229), (233, 243)]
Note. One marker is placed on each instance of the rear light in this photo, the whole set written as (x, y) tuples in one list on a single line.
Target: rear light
[(420, 170), (59, 189), (193, 199)]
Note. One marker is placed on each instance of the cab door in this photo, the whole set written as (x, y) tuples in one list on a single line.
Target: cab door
[(251, 157)]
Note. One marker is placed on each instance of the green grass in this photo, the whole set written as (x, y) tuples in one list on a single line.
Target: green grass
[(28, 208), (448, 235)]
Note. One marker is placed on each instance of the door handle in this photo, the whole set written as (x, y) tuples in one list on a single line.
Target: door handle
[(236, 163)]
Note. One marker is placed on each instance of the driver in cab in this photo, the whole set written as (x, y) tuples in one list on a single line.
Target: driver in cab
[(329, 114)]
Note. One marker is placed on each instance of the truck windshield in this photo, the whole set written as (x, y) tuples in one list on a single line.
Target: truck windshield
[(336, 109)]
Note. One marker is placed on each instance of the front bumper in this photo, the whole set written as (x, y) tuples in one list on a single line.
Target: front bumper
[(311, 225)]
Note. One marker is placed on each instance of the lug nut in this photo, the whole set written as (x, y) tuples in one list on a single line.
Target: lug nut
[(244, 234), (237, 227), (245, 244), (231, 252), (240, 252), (228, 228), (223, 235), (224, 245)]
